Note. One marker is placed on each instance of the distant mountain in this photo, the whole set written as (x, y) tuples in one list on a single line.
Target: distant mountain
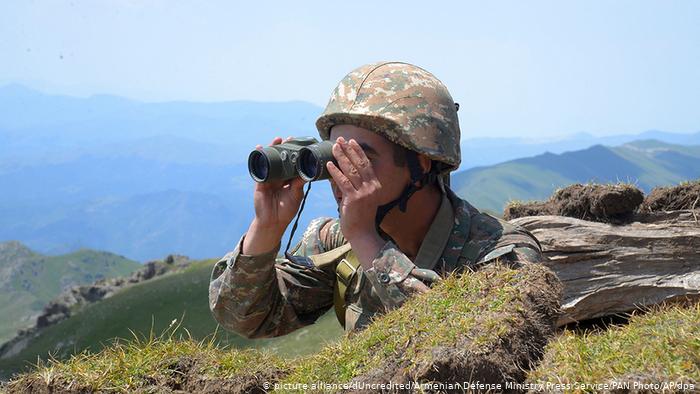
[(28, 280), (109, 213), (38, 128), (647, 164), (141, 179), (477, 152), (153, 306), (148, 179)]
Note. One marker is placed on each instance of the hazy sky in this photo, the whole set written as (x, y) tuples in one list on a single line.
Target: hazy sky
[(517, 68)]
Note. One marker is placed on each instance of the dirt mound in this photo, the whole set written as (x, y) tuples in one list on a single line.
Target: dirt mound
[(524, 327), (683, 196), (601, 203), (518, 209), (187, 374), (183, 374), (174, 373)]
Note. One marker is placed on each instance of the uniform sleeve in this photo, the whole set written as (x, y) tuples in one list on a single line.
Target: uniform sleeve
[(515, 247), (395, 278), (264, 296)]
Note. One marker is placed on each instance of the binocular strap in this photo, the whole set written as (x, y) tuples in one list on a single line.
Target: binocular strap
[(296, 221)]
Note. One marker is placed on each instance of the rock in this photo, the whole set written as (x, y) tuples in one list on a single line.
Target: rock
[(608, 269), (53, 313)]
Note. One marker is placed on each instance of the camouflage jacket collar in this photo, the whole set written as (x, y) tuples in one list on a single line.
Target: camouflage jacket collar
[(462, 213), (436, 238), (447, 235)]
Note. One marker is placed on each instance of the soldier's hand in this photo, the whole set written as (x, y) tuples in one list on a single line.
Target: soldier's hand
[(360, 187), (277, 202)]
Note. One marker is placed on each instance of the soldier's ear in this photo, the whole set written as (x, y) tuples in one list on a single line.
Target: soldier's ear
[(425, 163)]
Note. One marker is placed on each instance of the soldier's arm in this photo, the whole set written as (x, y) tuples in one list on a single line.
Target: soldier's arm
[(261, 296), (515, 248), (396, 278)]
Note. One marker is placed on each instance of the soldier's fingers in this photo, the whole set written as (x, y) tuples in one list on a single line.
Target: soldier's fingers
[(359, 159), (345, 165), (413, 285), (276, 141), (294, 187), (426, 275), (340, 180)]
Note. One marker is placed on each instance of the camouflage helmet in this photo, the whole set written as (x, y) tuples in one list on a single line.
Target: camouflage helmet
[(402, 102)]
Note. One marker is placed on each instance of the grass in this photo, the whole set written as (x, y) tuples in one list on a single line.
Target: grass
[(130, 365), (479, 307), (433, 320), (152, 306), (663, 343), (688, 182)]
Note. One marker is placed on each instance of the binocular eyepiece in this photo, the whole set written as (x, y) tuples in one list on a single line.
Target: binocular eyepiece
[(304, 157)]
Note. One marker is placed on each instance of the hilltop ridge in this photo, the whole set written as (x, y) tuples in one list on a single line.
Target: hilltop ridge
[(28, 280), (645, 163)]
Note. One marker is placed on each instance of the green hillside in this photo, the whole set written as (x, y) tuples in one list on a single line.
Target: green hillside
[(154, 305), (646, 163), (29, 280)]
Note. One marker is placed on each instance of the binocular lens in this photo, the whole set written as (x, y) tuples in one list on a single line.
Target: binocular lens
[(312, 161), (258, 165), (308, 165)]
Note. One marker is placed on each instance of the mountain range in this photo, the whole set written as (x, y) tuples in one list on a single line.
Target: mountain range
[(150, 179), (646, 164)]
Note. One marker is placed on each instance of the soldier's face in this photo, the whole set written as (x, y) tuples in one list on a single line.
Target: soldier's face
[(380, 153)]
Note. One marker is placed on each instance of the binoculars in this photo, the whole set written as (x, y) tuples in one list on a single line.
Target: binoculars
[(304, 157)]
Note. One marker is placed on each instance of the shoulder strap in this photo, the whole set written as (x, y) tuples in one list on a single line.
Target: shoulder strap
[(323, 259), (345, 271)]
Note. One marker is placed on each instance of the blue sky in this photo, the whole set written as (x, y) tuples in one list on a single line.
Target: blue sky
[(532, 69)]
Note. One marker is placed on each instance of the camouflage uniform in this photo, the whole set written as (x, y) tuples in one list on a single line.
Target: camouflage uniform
[(260, 296), (264, 296)]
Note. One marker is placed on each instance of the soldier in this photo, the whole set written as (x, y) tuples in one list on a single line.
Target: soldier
[(400, 227)]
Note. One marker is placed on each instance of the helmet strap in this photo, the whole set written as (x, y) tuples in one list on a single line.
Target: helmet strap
[(417, 177)]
